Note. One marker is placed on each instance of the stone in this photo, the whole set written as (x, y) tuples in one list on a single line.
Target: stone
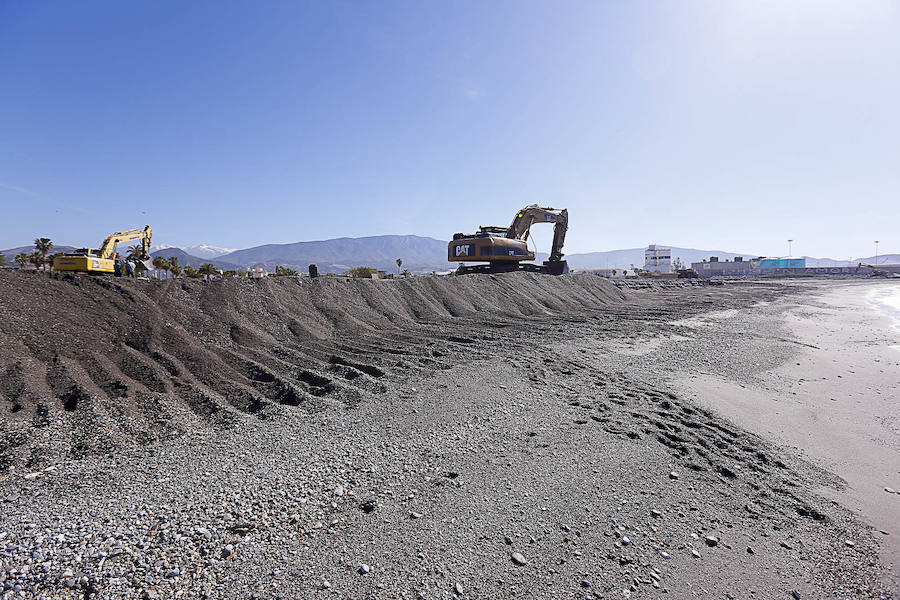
[(849, 543), (711, 540), (585, 583), (890, 490), (458, 588), (625, 541), (363, 569), (694, 553), (415, 515), (518, 558), (673, 475)]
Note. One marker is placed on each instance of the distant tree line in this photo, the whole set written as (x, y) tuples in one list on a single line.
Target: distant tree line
[(41, 257)]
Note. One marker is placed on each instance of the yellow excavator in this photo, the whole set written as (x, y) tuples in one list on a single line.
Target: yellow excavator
[(103, 261), (505, 248)]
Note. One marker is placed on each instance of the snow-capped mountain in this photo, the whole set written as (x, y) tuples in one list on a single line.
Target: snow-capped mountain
[(202, 250)]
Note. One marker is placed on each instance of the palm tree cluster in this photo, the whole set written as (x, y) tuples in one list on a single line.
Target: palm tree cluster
[(40, 257), (167, 266), (170, 266)]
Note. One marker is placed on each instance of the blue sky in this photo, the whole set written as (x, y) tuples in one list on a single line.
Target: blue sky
[(721, 125)]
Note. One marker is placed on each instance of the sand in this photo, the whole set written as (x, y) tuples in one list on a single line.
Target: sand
[(836, 400), (515, 436)]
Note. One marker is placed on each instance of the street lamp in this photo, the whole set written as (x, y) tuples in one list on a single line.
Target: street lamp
[(876, 252), (789, 248)]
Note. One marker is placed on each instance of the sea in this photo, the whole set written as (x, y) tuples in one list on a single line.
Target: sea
[(887, 300)]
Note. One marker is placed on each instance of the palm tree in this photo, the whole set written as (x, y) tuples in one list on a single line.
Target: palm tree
[(399, 264), (135, 253), (160, 264), (2, 260), (22, 260), (37, 259), (191, 272), (207, 270), (43, 246), (176, 270)]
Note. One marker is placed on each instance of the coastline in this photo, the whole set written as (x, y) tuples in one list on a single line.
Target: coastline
[(834, 399)]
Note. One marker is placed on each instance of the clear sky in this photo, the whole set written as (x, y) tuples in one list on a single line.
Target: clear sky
[(716, 125)]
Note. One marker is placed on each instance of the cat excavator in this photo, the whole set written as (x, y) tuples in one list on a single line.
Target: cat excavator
[(505, 248), (103, 261)]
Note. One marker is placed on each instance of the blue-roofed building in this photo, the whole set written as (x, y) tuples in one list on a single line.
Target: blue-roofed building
[(782, 263)]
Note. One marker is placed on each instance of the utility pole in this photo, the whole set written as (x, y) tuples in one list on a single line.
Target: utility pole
[(876, 253), (789, 248)]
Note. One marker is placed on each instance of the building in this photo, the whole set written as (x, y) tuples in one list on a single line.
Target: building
[(658, 259), (256, 272), (782, 263), (723, 268)]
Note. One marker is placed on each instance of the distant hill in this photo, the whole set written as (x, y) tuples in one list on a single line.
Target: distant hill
[(623, 259), (11, 253), (188, 260), (200, 251), (419, 254)]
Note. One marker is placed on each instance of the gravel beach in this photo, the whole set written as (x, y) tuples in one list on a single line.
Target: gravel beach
[(514, 436)]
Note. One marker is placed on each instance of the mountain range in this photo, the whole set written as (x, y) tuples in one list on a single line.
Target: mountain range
[(419, 254), (201, 251)]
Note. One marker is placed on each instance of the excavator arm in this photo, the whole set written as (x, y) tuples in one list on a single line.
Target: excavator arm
[(109, 244), (531, 214)]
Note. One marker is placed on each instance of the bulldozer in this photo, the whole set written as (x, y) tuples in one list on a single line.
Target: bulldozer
[(506, 248), (103, 261)]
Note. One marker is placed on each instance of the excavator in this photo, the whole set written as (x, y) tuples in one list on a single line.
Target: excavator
[(505, 248), (103, 261)]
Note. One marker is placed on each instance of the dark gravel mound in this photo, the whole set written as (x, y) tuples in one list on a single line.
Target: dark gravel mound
[(88, 364)]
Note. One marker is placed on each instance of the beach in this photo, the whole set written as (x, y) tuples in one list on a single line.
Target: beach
[(834, 399), (503, 436)]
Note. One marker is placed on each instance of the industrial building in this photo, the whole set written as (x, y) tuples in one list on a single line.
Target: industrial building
[(781, 263), (658, 259), (718, 268)]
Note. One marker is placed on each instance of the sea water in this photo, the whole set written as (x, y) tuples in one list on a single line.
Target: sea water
[(887, 300)]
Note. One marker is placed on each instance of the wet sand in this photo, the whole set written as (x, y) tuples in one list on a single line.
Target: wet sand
[(836, 400)]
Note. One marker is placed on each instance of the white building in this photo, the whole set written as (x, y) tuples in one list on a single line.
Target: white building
[(658, 259), (256, 272)]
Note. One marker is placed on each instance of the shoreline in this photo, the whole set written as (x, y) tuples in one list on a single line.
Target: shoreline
[(834, 401)]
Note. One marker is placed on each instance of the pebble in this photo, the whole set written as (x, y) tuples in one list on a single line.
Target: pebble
[(458, 588), (849, 543), (415, 515), (363, 569), (517, 558), (694, 553), (673, 475), (625, 541), (711, 540), (890, 490)]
